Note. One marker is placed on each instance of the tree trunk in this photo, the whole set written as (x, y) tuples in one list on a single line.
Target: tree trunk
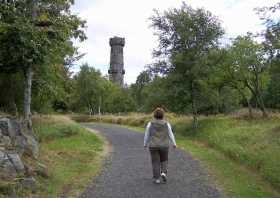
[(194, 109), (259, 101), (195, 119), (247, 101), (261, 105), (99, 107), (259, 95), (15, 109), (250, 108), (28, 74)]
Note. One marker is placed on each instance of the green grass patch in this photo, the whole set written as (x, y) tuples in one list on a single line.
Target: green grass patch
[(233, 179), (254, 143), (71, 153)]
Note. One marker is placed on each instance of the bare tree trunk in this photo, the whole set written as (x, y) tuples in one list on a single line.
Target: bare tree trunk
[(99, 106), (259, 96), (28, 74), (259, 100), (261, 105), (194, 109), (248, 103), (15, 109), (250, 108)]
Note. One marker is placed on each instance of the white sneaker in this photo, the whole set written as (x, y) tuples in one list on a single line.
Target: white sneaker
[(164, 177), (157, 181)]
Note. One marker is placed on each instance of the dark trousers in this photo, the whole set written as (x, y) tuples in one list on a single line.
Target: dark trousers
[(159, 158)]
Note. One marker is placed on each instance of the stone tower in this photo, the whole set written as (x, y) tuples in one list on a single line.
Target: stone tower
[(116, 71)]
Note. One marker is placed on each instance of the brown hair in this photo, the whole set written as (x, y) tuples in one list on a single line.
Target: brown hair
[(158, 113)]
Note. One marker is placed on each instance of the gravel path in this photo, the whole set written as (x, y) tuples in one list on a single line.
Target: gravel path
[(128, 173)]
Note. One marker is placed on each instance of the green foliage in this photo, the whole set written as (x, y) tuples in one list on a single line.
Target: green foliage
[(248, 69), (94, 94), (89, 89), (37, 35), (272, 94), (271, 36), (51, 87), (185, 37), (143, 79), (27, 41), (10, 100)]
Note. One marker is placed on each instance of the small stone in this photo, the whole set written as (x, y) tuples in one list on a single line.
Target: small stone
[(42, 170), (29, 183)]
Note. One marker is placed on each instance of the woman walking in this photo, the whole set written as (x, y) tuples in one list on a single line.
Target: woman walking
[(157, 136)]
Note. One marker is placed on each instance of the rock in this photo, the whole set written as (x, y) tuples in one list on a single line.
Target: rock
[(20, 144), (7, 169), (18, 151), (4, 126), (42, 170), (16, 161), (21, 136), (15, 128), (32, 147), (29, 183), (5, 141)]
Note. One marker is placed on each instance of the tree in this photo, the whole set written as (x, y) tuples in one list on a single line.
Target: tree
[(272, 93), (33, 34), (143, 79), (185, 37), (89, 89), (248, 68), (271, 35), (119, 100), (272, 31), (225, 79)]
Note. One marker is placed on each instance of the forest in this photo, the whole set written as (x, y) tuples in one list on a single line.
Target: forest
[(195, 71)]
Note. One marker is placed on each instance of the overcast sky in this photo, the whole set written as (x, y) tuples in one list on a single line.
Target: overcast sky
[(130, 19)]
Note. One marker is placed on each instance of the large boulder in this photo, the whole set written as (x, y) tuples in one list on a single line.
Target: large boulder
[(7, 170), (10, 164), (19, 135), (19, 151)]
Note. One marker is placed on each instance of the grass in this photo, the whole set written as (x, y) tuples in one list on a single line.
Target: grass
[(253, 143), (71, 153), (233, 179), (244, 155)]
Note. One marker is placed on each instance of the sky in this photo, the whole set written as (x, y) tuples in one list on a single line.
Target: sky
[(130, 19)]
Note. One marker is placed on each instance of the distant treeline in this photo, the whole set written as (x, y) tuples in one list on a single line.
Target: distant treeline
[(194, 71)]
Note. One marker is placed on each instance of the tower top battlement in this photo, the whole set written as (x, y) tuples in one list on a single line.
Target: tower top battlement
[(117, 41)]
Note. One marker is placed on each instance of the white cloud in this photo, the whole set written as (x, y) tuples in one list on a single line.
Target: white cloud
[(129, 19)]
